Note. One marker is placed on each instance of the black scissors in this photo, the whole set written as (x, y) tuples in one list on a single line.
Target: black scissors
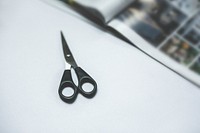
[(67, 81)]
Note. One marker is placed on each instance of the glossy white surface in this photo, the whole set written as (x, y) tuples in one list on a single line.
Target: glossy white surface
[(135, 93)]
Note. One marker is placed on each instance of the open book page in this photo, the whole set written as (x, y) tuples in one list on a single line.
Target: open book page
[(167, 30), (108, 8), (101, 9)]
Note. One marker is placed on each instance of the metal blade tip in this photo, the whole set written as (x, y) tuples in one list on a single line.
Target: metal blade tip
[(61, 34), (62, 37)]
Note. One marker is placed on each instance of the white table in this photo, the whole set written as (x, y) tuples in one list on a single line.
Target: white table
[(135, 93)]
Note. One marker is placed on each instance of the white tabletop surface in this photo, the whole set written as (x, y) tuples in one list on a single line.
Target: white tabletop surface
[(135, 93)]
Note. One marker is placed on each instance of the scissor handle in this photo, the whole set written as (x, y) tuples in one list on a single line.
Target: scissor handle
[(83, 78), (67, 83)]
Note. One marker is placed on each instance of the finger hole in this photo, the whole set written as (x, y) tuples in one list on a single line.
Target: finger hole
[(68, 91), (88, 87)]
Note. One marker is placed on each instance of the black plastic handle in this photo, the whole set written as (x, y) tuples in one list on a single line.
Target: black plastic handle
[(67, 81), (83, 78)]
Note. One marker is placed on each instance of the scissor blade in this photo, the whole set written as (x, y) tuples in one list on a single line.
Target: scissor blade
[(67, 53)]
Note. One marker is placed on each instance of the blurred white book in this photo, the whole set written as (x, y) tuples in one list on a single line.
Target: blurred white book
[(166, 30)]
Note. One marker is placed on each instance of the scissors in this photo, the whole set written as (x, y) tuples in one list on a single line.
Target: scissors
[(67, 83)]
